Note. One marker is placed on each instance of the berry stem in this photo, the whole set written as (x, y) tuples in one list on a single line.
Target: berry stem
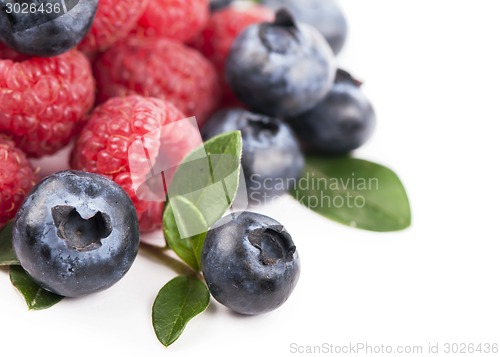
[(344, 76), (160, 254)]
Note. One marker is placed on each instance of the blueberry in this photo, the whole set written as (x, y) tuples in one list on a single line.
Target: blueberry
[(45, 28), (282, 68), (342, 122), (271, 158), (250, 263), (325, 15), (219, 4), (76, 233)]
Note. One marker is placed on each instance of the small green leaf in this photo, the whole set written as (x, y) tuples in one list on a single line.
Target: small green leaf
[(36, 297), (181, 299), (209, 177), (188, 249), (7, 254), (354, 192)]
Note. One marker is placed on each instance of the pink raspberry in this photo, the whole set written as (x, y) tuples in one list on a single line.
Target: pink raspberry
[(178, 20), (113, 21), (104, 147), (160, 68), (44, 100), (16, 179)]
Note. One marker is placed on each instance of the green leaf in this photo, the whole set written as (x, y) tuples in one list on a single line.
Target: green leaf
[(201, 191), (36, 297), (188, 249), (354, 192), (7, 254), (209, 176), (177, 303)]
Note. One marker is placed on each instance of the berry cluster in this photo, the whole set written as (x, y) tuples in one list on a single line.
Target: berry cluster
[(103, 75)]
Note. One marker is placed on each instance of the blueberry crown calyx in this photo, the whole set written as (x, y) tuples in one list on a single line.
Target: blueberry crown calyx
[(284, 18), (274, 244), (257, 124), (79, 233), (278, 35)]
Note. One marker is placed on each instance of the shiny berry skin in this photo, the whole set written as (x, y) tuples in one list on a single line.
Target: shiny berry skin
[(325, 15), (271, 158), (219, 4), (250, 263), (281, 68), (76, 233), (37, 32), (340, 123)]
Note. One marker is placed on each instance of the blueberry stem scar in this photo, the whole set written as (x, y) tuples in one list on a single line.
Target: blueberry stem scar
[(278, 35), (284, 19), (261, 123), (274, 245), (79, 233)]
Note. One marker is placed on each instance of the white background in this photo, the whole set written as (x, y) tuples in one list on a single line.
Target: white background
[(432, 70)]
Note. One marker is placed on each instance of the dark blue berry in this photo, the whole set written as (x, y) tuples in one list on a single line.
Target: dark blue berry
[(272, 156), (45, 28), (219, 4), (282, 68), (76, 233), (325, 15), (342, 122), (250, 263)]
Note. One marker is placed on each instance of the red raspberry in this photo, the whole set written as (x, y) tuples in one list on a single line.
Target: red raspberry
[(113, 21), (178, 20), (160, 68), (44, 100), (216, 39), (104, 147), (16, 179)]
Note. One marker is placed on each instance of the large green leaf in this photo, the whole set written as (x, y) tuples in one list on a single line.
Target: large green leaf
[(7, 254), (354, 192), (209, 177), (177, 303), (36, 297), (201, 191)]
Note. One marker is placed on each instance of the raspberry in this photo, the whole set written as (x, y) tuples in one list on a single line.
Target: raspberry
[(178, 20), (160, 68), (216, 39), (44, 100), (113, 21), (16, 179), (104, 146)]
